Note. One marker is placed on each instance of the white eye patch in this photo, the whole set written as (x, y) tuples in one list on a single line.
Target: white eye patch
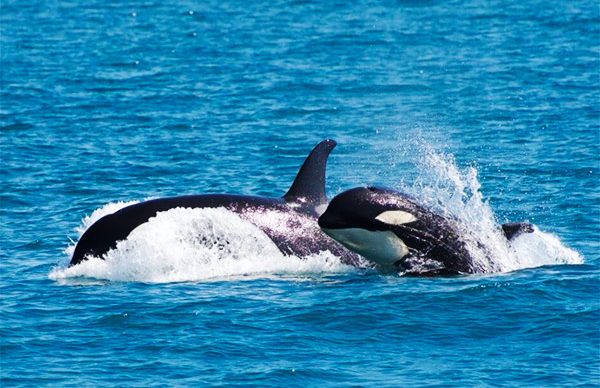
[(396, 217)]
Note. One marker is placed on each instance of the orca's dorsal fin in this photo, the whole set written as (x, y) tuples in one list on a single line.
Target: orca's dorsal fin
[(309, 185)]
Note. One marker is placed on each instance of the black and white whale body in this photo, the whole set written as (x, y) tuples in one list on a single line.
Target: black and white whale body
[(290, 221), (390, 229)]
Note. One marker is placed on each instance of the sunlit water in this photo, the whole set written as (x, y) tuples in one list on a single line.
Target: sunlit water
[(486, 112)]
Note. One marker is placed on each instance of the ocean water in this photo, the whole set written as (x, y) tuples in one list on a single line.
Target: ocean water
[(486, 110)]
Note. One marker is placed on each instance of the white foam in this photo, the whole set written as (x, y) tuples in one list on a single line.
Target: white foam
[(541, 248), (194, 245)]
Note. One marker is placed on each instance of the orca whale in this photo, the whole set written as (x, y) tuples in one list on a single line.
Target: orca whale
[(290, 221), (390, 229)]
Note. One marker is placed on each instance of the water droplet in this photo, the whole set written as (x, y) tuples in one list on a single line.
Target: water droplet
[(191, 12)]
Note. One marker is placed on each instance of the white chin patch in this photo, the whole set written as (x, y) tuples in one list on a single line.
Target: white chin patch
[(380, 247), (396, 217)]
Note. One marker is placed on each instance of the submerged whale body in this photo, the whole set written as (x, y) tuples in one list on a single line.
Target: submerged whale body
[(289, 221), (390, 229)]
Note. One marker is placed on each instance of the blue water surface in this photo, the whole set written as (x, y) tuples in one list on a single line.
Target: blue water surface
[(115, 101)]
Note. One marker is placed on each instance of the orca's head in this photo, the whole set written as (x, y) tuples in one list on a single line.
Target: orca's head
[(380, 224), (388, 228)]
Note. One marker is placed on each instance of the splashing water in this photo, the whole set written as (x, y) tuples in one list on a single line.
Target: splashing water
[(455, 193), (199, 244), (192, 245)]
